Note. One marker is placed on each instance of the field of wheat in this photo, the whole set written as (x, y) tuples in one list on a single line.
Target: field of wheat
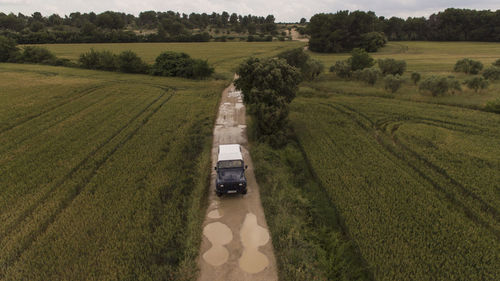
[(103, 175), (417, 184)]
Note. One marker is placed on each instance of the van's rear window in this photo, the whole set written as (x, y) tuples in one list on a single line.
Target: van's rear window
[(230, 164)]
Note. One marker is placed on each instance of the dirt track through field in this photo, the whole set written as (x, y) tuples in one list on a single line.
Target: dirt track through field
[(236, 243)]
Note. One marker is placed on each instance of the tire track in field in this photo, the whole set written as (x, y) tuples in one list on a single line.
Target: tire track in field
[(450, 196), (32, 134), (80, 94), (483, 205), (29, 239)]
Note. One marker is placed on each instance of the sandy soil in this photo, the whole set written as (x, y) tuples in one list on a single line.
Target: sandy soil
[(297, 37), (236, 245)]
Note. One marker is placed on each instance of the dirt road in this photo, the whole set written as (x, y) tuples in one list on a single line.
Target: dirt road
[(236, 244), (297, 37)]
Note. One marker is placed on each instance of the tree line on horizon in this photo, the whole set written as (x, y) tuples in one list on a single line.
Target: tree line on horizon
[(361, 28), (344, 30), (120, 27)]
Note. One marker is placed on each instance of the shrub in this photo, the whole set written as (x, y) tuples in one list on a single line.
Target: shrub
[(342, 69), (180, 65), (367, 75), (100, 60), (392, 83), (454, 85), (372, 41), (295, 57), (392, 66), (130, 62), (493, 106), (312, 69), (496, 63), (415, 77), (200, 69), (435, 85), (360, 59), (8, 49), (468, 66), (476, 83), (309, 68), (33, 54), (492, 73)]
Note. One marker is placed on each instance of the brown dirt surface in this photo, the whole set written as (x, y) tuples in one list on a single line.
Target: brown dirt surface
[(297, 37), (236, 245)]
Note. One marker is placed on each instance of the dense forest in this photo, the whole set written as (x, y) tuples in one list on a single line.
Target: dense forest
[(346, 30), (149, 26), (449, 25)]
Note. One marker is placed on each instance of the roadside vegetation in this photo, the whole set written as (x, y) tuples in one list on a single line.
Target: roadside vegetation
[(307, 231)]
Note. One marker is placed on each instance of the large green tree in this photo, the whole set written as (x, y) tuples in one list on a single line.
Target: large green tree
[(344, 31), (268, 86)]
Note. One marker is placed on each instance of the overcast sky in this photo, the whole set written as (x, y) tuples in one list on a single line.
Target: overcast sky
[(283, 10)]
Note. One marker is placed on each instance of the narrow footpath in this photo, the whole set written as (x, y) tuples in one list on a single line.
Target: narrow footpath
[(236, 243)]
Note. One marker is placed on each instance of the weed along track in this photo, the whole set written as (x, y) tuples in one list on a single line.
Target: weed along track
[(236, 244)]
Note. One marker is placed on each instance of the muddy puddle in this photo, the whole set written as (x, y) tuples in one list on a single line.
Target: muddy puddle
[(219, 235), (252, 237)]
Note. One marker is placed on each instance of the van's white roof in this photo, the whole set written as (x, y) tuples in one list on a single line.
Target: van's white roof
[(229, 152)]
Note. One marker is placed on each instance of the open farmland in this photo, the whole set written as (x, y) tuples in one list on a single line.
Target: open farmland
[(416, 182), (103, 175), (224, 56), (427, 58)]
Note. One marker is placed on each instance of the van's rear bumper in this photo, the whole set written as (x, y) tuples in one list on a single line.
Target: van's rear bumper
[(232, 188)]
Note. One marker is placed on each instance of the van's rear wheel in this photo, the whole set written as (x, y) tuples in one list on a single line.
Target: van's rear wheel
[(219, 194), (244, 191)]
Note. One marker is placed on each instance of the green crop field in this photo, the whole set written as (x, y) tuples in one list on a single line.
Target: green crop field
[(415, 178), (103, 175), (400, 186), (224, 56), (417, 184), (427, 58)]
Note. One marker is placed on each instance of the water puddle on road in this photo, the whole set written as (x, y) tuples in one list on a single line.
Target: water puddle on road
[(219, 235), (252, 237)]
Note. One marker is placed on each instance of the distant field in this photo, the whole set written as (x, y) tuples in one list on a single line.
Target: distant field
[(427, 58), (224, 56), (103, 175), (416, 183)]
